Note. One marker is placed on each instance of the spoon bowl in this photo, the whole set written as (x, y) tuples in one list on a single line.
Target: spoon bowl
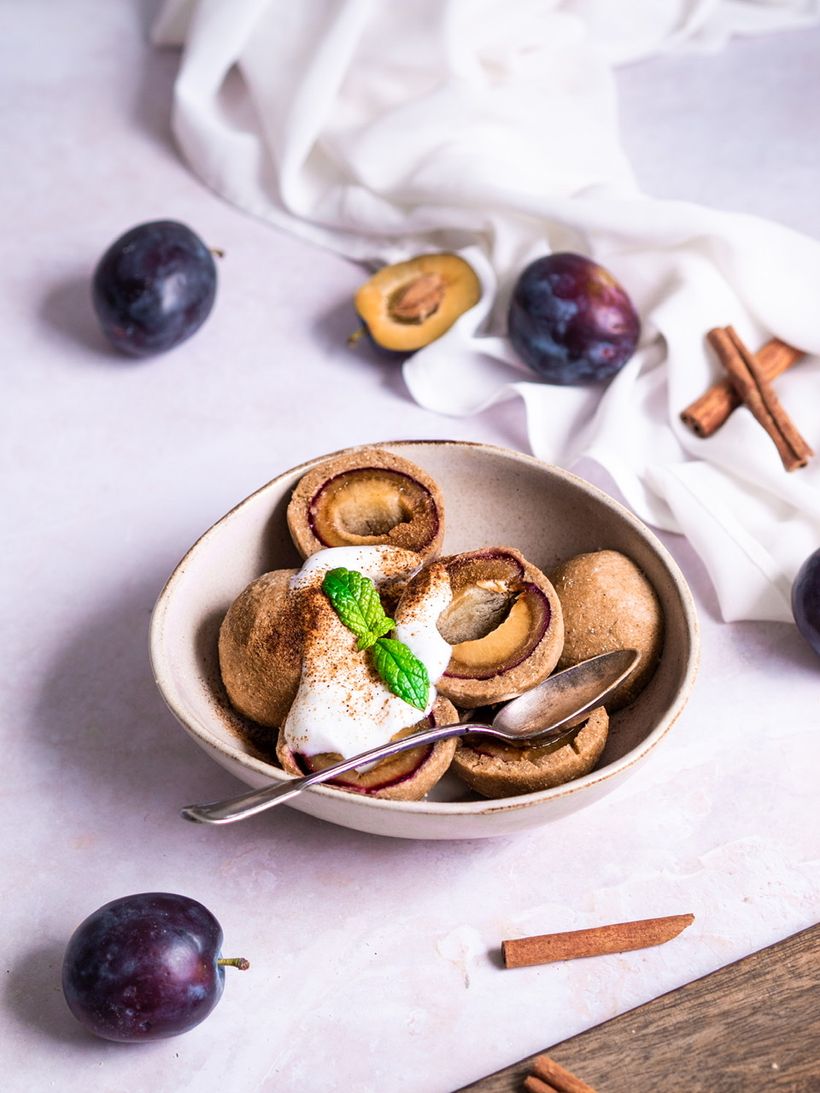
[(544, 714)]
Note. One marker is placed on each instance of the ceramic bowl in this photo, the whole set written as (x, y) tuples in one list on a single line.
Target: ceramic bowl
[(492, 496)]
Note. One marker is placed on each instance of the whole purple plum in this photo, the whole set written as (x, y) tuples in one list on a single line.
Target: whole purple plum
[(154, 287), (806, 600), (145, 966), (571, 321)]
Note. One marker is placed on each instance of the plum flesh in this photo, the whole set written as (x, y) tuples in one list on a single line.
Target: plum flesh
[(571, 321), (533, 606), (806, 600)]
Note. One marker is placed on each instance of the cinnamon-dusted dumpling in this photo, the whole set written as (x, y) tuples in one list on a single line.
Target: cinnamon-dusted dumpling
[(345, 705), (407, 776), (500, 770), (260, 649), (503, 624), (366, 498), (261, 637), (609, 604)]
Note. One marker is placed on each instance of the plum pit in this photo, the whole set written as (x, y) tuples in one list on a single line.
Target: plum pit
[(417, 300)]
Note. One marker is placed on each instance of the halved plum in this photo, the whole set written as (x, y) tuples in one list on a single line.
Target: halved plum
[(405, 306), (407, 776), (367, 498), (504, 625)]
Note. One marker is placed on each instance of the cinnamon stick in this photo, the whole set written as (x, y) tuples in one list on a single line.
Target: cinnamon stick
[(620, 937), (706, 414), (759, 396), (558, 1077), (535, 1085)]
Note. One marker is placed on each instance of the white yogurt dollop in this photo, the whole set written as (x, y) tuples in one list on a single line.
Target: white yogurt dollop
[(341, 705), (376, 562), (416, 627)]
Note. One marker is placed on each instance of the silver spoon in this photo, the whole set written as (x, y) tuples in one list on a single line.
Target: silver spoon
[(541, 714)]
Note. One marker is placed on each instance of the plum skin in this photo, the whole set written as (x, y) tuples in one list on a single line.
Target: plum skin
[(153, 288), (571, 321), (144, 967), (805, 599)]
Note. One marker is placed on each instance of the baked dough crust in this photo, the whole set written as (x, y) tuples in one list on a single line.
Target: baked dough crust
[(423, 532), (486, 686), (260, 649), (609, 604), (506, 771)]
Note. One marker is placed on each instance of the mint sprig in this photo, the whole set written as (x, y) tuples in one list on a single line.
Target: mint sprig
[(402, 671), (356, 601)]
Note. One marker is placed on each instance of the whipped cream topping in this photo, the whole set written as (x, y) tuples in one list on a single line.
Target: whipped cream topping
[(416, 624), (342, 706), (379, 563)]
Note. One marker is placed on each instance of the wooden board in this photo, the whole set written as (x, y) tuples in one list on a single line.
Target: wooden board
[(753, 1025)]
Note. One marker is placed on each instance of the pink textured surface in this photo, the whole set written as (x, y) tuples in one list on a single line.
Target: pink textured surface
[(374, 961)]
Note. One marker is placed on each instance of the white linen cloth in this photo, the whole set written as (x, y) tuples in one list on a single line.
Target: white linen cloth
[(489, 127)]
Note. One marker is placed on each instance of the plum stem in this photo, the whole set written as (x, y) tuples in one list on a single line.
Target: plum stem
[(217, 252), (234, 962)]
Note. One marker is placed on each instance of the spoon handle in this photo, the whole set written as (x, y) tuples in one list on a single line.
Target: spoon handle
[(257, 800)]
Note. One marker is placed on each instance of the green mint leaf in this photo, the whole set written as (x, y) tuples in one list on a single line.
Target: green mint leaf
[(356, 602), (402, 671), (369, 639)]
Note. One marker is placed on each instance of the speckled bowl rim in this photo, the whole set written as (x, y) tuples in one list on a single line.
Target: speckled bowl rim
[(482, 807)]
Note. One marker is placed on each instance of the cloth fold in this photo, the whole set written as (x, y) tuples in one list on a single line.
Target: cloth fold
[(490, 128)]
